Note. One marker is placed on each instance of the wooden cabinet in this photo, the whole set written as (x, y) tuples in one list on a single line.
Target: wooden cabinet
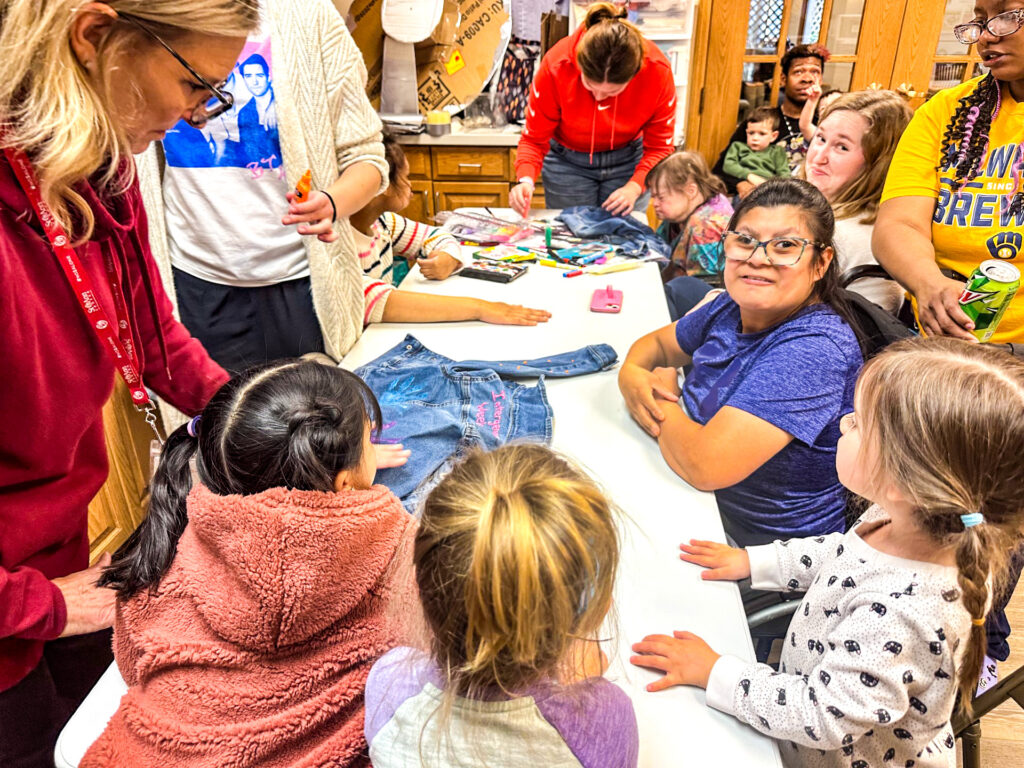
[(447, 177), (116, 511), (449, 195), (472, 163), (422, 206)]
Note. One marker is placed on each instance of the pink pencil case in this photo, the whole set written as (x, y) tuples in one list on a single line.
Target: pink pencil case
[(606, 300)]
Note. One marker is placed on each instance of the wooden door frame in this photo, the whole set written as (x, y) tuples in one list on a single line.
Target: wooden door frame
[(717, 71)]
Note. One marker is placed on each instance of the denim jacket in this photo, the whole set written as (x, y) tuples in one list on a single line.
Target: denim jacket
[(438, 408)]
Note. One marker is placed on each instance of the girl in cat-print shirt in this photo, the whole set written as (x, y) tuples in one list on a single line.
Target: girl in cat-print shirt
[(891, 627)]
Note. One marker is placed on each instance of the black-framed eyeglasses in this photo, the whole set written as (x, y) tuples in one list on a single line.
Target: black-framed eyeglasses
[(221, 101), (780, 251), (1000, 25)]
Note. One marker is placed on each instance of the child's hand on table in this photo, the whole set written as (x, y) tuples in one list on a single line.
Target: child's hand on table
[(314, 217), (724, 563), (390, 455), (500, 313), (684, 658), (439, 266)]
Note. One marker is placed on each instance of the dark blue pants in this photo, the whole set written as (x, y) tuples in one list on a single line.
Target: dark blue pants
[(570, 178), (242, 327), (683, 294), (34, 711)]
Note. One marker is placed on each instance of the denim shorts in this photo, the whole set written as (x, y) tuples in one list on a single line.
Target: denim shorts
[(438, 408), (571, 179)]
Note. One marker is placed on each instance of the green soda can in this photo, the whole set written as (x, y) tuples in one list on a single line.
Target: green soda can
[(987, 295)]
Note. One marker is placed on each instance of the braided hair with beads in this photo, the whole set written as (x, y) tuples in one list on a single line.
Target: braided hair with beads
[(966, 140)]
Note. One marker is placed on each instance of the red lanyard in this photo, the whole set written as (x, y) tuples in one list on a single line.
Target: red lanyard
[(116, 339)]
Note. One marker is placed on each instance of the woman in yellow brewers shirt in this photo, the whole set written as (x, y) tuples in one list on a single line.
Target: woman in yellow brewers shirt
[(955, 194)]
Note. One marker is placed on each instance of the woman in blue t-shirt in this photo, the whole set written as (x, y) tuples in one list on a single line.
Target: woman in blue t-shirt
[(774, 364)]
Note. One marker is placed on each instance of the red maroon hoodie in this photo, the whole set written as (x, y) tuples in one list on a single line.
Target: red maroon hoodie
[(54, 380), (562, 109)]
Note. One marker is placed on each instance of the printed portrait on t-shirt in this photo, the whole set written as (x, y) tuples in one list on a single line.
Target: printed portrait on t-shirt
[(246, 136)]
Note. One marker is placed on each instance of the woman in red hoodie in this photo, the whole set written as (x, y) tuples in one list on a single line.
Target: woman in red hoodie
[(85, 85), (604, 103)]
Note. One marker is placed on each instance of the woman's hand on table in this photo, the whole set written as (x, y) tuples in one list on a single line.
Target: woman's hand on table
[(89, 608), (500, 313), (723, 563), (314, 217), (684, 658), (621, 201), (390, 455), (939, 311), (520, 197), (438, 266), (639, 388), (669, 378)]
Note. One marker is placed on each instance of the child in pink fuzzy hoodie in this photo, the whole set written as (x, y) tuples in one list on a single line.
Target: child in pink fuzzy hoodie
[(252, 608)]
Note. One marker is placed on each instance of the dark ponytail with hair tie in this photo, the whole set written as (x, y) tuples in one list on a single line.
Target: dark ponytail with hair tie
[(291, 424)]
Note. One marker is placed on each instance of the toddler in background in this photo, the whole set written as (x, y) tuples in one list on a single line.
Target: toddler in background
[(389, 245), (251, 607), (515, 560), (760, 158), (694, 210), (892, 626)]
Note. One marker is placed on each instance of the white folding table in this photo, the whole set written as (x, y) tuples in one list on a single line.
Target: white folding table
[(656, 591)]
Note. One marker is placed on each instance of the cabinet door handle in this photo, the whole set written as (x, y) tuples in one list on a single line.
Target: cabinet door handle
[(478, 166)]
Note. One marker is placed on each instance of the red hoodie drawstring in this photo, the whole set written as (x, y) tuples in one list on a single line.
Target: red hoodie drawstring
[(593, 127), (615, 109)]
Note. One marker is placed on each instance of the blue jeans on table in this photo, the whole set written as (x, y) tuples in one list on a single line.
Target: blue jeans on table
[(439, 408), (570, 178)]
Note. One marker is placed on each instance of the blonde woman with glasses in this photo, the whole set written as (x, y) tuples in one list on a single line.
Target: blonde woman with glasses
[(85, 86)]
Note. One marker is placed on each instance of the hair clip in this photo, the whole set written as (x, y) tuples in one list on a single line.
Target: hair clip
[(973, 519), (978, 622), (191, 428)]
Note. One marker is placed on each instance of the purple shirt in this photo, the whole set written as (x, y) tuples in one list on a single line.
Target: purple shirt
[(594, 719)]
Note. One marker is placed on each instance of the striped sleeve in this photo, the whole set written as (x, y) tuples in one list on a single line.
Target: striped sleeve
[(375, 296), (411, 240)]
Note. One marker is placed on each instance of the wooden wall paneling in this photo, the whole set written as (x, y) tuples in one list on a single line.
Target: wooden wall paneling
[(915, 54), (698, 69), (723, 80), (879, 38), (116, 511)]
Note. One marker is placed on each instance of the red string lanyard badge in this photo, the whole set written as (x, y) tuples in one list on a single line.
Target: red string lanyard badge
[(116, 338)]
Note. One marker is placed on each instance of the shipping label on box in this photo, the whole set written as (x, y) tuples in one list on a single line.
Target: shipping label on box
[(454, 64)]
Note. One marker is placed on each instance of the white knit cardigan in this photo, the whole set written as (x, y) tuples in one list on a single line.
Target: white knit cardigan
[(326, 124)]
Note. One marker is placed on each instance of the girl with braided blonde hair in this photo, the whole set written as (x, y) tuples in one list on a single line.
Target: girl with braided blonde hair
[(891, 629)]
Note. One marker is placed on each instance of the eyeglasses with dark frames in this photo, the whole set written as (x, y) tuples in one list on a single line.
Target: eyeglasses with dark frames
[(780, 251), (1000, 25), (221, 101)]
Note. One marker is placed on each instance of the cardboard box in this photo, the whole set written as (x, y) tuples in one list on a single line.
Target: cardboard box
[(453, 64)]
